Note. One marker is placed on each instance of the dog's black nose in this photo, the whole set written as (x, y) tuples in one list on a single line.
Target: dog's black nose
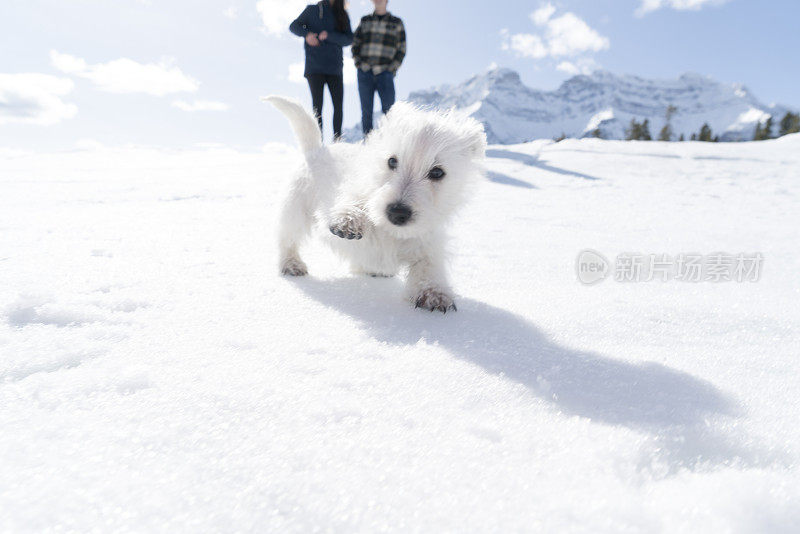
[(398, 213)]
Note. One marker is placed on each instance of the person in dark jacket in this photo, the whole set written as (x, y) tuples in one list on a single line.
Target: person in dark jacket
[(379, 46), (325, 26)]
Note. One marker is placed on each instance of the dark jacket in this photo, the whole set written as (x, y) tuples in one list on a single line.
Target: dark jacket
[(327, 57)]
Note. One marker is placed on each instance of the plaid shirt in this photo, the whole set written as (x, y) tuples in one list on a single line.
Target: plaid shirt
[(379, 44)]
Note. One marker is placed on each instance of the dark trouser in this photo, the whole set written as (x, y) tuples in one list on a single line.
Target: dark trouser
[(368, 83), (316, 82)]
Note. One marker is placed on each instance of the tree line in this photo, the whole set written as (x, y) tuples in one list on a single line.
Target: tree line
[(640, 131), (789, 124)]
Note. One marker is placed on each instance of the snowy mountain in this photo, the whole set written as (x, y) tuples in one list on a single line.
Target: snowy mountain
[(514, 113)]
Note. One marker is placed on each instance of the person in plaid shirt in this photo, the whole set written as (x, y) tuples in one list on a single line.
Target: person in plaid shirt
[(379, 46)]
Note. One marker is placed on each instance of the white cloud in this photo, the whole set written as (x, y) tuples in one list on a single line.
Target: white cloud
[(568, 67), (565, 35), (232, 12), (296, 71), (526, 45), (568, 35), (580, 66), (200, 105), (127, 76), (295, 74), (682, 5), (34, 99), (278, 14), (66, 63), (543, 14)]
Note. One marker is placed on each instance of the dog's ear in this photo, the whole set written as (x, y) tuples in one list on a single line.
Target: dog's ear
[(396, 117), (400, 109), (474, 138)]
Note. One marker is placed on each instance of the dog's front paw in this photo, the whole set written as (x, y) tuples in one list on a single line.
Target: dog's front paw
[(348, 226), (293, 267), (435, 300)]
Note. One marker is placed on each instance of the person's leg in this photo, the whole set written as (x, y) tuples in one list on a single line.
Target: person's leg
[(336, 88), (385, 85), (316, 83), (366, 92)]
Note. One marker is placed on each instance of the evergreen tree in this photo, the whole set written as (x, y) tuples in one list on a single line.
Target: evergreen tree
[(694, 137), (646, 131), (634, 131), (682, 139), (758, 135), (560, 137), (639, 131), (789, 124), (666, 132), (768, 129), (705, 133), (716, 139), (597, 133), (763, 132), (671, 111)]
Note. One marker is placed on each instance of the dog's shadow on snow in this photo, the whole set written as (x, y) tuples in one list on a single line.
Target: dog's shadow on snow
[(531, 161), (504, 179), (580, 383), (673, 406)]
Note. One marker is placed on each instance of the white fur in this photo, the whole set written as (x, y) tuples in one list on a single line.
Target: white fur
[(348, 187)]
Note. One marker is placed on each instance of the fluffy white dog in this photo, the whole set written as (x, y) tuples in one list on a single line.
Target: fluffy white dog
[(386, 202)]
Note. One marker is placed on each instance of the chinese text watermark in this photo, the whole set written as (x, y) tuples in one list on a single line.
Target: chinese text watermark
[(592, 267)]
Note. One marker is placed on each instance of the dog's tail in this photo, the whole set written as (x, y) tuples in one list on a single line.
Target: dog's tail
[(304, 124)]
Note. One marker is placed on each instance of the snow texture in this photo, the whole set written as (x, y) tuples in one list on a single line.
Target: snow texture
[(156, 374), (515, 113)]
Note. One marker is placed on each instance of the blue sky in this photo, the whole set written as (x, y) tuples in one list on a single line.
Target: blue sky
[(182, 73)]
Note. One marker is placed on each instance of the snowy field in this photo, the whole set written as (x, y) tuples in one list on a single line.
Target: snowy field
[(157, 375)]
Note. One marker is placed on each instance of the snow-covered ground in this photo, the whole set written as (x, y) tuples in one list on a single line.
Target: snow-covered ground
[(157, 375)]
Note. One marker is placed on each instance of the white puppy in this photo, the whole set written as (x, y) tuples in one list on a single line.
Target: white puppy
[(386, 202)]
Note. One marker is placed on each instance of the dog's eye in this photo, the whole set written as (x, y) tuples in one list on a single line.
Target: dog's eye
[(393, 163), (436, 173)]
